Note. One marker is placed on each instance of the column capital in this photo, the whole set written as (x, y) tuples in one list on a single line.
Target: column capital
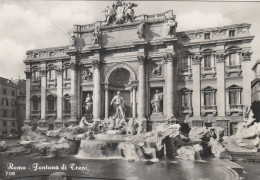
[(142, 59), (221, 56), (28, 74), (170, 57), (246, 55), (59, 70), (42, 72), (96, 63), (196, 59), (134, 87)]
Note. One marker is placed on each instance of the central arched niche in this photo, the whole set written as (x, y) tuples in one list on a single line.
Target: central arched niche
[(119, 77)]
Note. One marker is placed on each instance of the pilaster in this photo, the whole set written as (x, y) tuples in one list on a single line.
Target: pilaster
[(42, 122), (28, 95), (74, 100), (170, 61), (196, 98), (221, 83), (248, 76), (58, 122)]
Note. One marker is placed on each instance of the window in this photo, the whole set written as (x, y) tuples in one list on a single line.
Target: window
[(52, 74), (35, 103), (4, 132), (35, 76), (233, 59), (207, 61), (13, 103), (4, 113), (209, 98), (234, 93), (66, 104), (13, 114), (5, 102), (207, 36), (4, 91), (184, 97), (184, 100), (13, 123), (13, 93), (184, 63), (66, 73), (231, 33), (4, 123), (51, 102)]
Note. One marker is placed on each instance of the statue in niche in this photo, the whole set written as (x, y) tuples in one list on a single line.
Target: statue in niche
[(96, 35), (170, 27), (87, 74), (88, 104), (156, 100), (119, 109), (157, 70)]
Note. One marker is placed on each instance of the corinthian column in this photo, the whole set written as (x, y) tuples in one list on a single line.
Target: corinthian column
[(170, 84), (134, 101), (42, 122), (28, 96), (74, 100), (106, 102), (96, 90), (58, 121), (141, 87)]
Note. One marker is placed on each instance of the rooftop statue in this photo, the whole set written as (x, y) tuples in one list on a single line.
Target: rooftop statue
[(120, 12)]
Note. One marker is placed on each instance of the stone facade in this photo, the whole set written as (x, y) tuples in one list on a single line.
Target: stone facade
[(12, 107), (200, 74)]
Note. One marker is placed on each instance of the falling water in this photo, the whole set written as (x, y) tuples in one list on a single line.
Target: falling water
[(92, 149)]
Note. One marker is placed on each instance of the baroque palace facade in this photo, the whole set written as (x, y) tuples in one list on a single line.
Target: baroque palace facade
[(200, 75)]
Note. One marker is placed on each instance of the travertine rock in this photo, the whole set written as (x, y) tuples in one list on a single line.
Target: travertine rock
[(217, 149), (2, 146)]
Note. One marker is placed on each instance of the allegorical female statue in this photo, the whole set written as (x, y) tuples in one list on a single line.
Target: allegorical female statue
[(118, 102), (156, 100), (88, 104)]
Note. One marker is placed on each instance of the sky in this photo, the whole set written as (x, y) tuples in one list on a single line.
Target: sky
[(26, 25)]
